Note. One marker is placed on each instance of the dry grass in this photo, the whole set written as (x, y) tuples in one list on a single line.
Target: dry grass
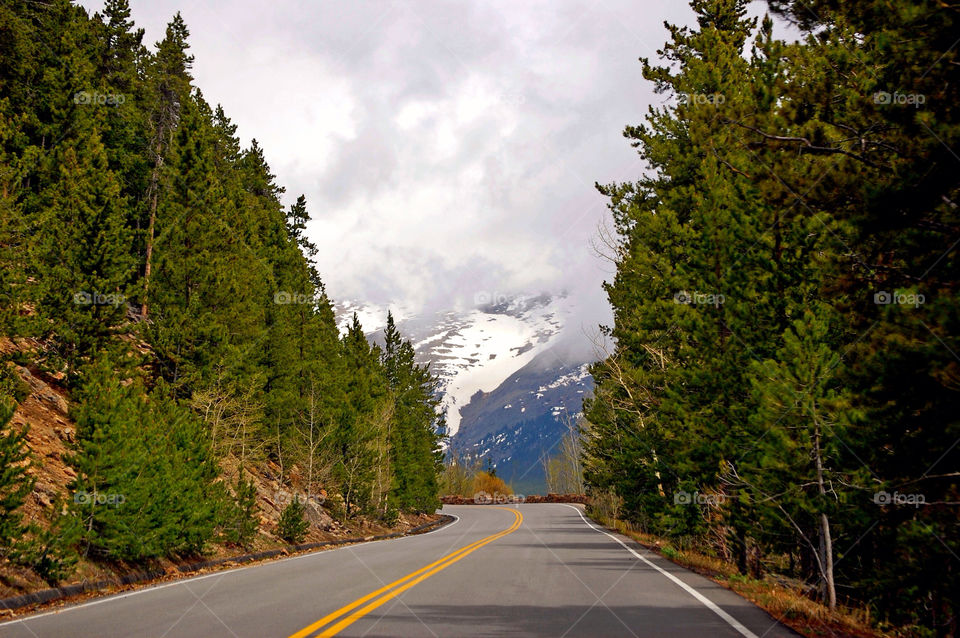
[(787, 604)]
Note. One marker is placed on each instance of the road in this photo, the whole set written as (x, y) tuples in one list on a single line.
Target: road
[(526, 570)]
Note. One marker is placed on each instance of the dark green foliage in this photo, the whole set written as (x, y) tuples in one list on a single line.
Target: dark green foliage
[(50, 550), (15, 483), (85, 252), (207, 289), (144, 485), (12, 386), (155, 261), (240, 515), (293, 525), (783, 182), (414, 439), (361, 420)]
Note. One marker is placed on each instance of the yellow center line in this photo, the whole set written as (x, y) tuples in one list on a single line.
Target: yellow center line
[(416, 577)]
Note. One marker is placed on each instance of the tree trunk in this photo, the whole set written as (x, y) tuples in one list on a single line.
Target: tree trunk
[(826, 543), (151, 225), (280, 452), (740, 549)]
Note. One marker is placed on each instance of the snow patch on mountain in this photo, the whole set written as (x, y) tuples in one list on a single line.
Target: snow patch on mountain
[(488, 349), (576, 376), (372, 317), (472, 351)]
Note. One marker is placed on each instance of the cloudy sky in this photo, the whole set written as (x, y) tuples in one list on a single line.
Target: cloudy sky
[(448, 150)]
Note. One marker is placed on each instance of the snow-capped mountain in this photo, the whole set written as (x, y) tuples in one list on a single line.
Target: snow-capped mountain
[(474, 350), (502, 367), (520, 422)]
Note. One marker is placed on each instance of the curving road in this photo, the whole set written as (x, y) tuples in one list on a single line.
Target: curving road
[(527, 570)]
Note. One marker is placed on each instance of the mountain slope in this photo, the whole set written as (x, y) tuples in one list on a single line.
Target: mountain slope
[(509, 380), (522, 420)]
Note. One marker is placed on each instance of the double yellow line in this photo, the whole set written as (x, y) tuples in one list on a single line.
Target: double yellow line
[(397, 587)]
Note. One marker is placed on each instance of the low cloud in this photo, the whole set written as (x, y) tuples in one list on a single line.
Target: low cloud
[(444, 148)]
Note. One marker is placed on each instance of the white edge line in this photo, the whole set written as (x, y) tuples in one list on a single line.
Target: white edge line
[(222, 572), (730, 620)]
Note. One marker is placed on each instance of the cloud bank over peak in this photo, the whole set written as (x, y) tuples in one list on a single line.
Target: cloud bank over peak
[(447, 150)]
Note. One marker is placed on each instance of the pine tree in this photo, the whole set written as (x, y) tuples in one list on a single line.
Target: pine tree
[(50, 549), (240, 519), (87, 266), (783, 182), (144, 485), (684, 301), (895, 186), (120, 56), (15, 480), (120, 182), (168, 88), (802, 411), (293, 526), (297, 218), (207, 287), (301, 345), (355, 433), (46, 71), (15, 240), (413, 436)]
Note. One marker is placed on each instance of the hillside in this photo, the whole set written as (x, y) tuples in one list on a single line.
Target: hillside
[(172, 381), (45, 413)]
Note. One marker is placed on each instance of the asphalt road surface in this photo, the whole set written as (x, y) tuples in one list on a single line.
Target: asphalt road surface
[(526, 570)]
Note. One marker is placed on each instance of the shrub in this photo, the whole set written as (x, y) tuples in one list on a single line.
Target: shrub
[(604, 505), (486, 482), (293, 525), (11, 384), (238, 517), (15, 483), (50, 551)]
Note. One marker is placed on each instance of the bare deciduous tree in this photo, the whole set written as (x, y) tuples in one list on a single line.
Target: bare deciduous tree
[(311, 434), (233, 416), (563, 470)]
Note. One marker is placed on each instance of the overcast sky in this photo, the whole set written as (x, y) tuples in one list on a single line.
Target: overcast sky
[(448, 150)]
